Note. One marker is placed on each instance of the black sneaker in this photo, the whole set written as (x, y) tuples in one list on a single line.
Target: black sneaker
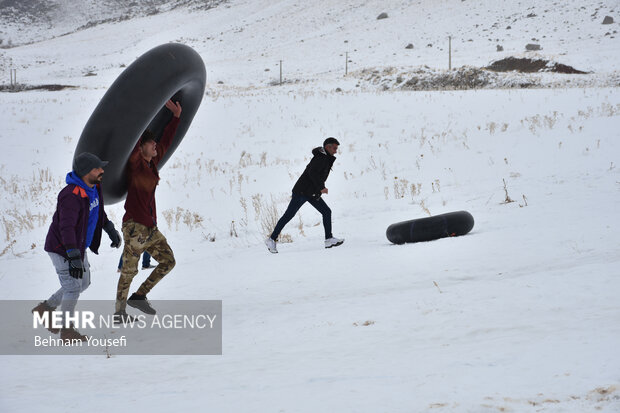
[(121, 317), (141, 303)]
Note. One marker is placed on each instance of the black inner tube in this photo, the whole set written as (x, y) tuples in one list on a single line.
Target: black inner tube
[(135, 102), (451, 224)]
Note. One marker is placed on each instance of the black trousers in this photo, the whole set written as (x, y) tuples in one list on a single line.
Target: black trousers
[(296, 202)]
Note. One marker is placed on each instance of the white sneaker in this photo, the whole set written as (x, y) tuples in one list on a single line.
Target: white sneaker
[(333, 242), (271, 245)]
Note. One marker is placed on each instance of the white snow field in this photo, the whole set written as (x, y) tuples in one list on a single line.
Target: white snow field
[(520, 315)]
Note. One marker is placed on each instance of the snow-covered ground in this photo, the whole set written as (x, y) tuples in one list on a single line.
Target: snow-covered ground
[(522, 314)]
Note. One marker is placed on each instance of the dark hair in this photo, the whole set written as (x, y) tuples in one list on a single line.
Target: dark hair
[(147, 135), (330, 140)]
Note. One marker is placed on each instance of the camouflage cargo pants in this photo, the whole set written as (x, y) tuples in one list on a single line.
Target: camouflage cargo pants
[(139, 238)]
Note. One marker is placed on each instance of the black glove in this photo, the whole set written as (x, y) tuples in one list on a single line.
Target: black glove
[(76, 265), (115, 237)]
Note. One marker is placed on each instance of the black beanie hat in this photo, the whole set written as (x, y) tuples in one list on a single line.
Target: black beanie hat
[(330, 140)]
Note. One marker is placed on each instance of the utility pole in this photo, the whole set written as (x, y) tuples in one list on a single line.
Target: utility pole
[(449, 52), (280, 72), (346, 64)]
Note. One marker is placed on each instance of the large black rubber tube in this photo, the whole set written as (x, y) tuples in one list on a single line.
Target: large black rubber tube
[(451, 224), (135, 102)]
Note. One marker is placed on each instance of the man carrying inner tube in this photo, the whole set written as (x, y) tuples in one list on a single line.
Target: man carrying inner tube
[(140, 221), (309, 188)]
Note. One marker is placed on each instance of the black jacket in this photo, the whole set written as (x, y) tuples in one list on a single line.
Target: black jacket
[(312, 180)]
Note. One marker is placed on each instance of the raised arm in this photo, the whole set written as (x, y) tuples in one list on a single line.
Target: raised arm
[(134, 158), (169, 131)]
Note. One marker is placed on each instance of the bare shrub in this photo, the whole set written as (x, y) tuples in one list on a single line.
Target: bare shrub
[(425, 208), (400, 187), (245, 159), (181, 215), (507, 200), (415, 189), (300, 227), (244, 205), (267, 216), (8, 247), (285, 238), (15, 222), (209, 237), (380, 167)]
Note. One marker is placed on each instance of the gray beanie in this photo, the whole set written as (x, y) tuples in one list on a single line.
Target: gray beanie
[(85, 162)]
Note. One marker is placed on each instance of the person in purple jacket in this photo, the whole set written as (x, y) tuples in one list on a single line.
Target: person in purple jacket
[(76, 225)]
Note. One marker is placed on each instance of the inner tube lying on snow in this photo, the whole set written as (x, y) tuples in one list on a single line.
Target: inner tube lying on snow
[(135, 102), (451, 224)]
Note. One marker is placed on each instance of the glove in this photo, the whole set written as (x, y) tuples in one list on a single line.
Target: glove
[(115, 237), (76, 266)]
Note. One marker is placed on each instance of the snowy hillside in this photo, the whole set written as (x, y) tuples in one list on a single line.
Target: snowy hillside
[(520, 315), (28, 21), (312, 39)]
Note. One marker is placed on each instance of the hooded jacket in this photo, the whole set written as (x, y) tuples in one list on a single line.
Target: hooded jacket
[(69, 226), (312, 180)]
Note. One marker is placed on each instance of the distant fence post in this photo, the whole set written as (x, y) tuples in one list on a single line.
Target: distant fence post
[(280, 71), (449, 52), (346, 64)]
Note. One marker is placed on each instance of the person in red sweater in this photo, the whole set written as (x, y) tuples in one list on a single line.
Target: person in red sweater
[(140, 220)]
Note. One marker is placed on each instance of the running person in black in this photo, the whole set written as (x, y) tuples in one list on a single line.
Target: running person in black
[(309, 188)]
